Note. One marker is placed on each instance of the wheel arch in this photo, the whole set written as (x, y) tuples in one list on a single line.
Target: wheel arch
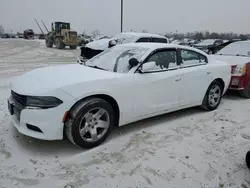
[(105, 97), (221, 81)]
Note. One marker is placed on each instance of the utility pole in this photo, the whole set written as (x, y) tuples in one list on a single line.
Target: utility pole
[(121, 16)]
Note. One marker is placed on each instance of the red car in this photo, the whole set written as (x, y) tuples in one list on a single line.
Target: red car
[(238, 55)]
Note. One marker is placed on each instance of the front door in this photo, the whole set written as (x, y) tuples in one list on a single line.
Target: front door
[(158, 85)]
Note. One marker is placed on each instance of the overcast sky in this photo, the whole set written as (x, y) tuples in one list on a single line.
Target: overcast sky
[(156, 16)]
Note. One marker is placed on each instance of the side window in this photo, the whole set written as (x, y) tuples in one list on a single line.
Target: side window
[(162, 60), (159, 40), (145, 39), (190, 58)]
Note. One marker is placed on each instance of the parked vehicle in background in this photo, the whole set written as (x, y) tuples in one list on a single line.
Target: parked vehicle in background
[(214, 49), (41, 36), (238, 55), (208, 43), (28, 34), (6, 36), (61, 36), (124, 84), (94, 48)]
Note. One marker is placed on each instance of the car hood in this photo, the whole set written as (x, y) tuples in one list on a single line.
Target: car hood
[(44, 80), (102, 44), (232, 60)]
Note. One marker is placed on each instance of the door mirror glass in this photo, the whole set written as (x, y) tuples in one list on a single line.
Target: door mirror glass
[(133, 62), (149, 66)]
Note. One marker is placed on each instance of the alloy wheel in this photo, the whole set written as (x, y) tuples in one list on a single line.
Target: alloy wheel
[(214, 95), (94, 124)]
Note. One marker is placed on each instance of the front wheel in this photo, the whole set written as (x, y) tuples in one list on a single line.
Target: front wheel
[(59, 43), (49, 43), (213, 96), (90, 122)]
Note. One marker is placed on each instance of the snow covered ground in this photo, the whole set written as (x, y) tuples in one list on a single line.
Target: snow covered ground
[(189, 148)]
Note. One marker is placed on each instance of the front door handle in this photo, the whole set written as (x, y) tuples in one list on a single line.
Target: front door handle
[(209, 72), (178, 79)]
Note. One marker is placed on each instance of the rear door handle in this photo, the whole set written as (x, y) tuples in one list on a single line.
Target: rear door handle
[(178, 79), (209, 72)]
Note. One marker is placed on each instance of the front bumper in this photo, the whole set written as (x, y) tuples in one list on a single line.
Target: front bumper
[(44, 124), (238, 83)]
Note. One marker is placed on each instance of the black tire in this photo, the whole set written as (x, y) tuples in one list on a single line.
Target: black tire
[(59, 43), (248, 159), (73, 123), (73, 47), (49, 43), (206, 101), (246, 92)]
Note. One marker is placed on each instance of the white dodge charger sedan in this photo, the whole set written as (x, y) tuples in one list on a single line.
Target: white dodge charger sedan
[(121, 85)]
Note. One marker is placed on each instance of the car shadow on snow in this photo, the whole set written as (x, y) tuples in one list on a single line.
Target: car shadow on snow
[(32, 145), (155, 121)]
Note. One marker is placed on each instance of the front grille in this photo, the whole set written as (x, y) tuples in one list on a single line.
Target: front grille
[(89, 53), (19, 103)]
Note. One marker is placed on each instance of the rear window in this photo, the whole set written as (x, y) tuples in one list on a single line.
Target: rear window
[(159, 40)]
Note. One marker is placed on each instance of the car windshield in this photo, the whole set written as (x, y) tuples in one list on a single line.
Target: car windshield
[(116, 59), (237, 49)]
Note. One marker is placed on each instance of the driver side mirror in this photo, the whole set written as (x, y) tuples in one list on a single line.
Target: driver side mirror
[(112, 43), (133, 62)]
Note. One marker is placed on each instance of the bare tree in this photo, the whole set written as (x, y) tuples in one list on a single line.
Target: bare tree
[(95, 33), (1, 30)]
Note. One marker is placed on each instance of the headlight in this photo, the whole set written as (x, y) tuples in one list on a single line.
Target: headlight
[(42, 102), (240, 70)]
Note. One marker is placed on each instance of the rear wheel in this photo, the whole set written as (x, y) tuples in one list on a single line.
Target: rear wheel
[(59, 43), (73, 47), (213, 96), (90, 122), (246, 92)]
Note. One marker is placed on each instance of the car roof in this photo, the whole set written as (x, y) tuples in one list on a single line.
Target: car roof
[(135, 34), (153, 46)]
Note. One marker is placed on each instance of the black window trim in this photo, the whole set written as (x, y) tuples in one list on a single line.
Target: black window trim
[(188, 66), (142, 38), (156, 51)]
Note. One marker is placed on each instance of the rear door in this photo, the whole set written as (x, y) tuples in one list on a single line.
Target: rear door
[(196, 75)]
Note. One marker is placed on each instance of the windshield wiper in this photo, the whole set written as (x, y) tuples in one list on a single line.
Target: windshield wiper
[(96, 67)]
